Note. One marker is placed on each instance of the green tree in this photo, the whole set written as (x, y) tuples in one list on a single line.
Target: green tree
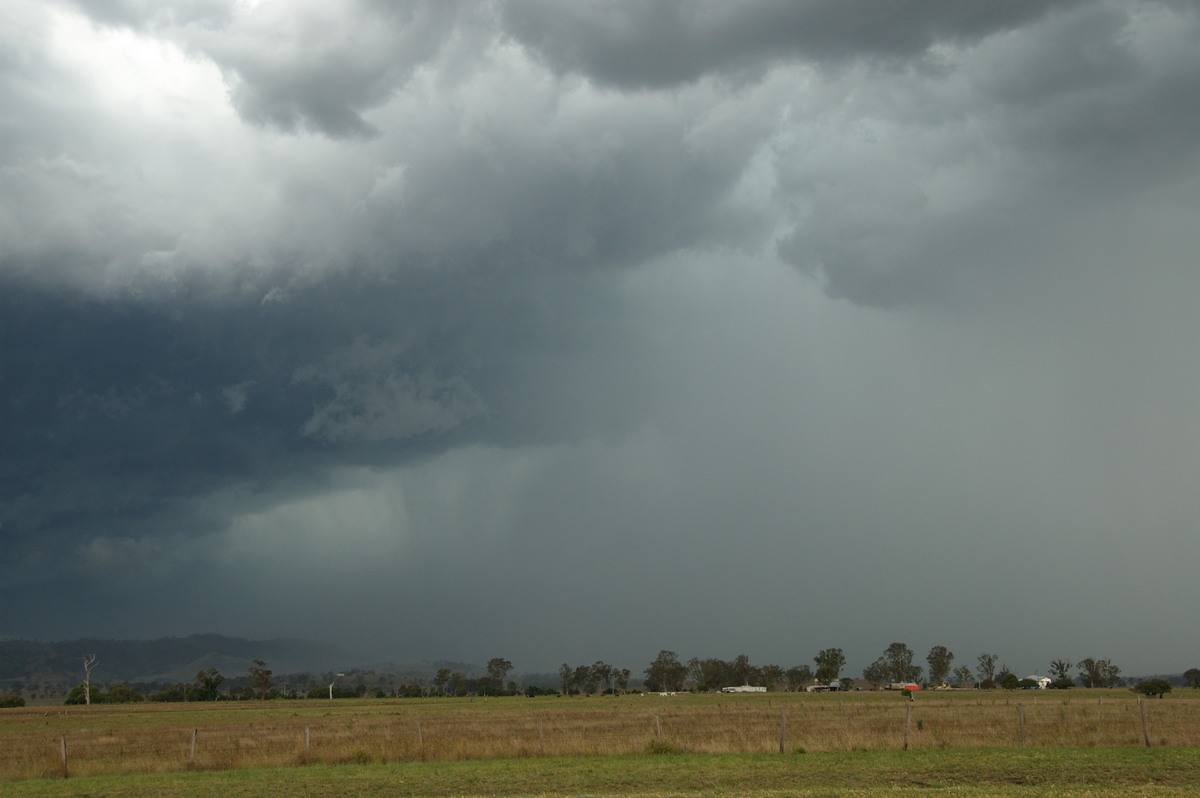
[(175, 693), (666, 673), (1192, 677), (1009, 681), (84, 693), (497, 670), (457, 684), (877, 672), (939, 658), (122, 694), (830, 662), (987, 667), (798, 677), (710, 674), (898, 658), (566, 678), (1060, 669), (1098, 673), (1002, 673), (1153, 687), (962, 675), (208, 683), (594, 680), (260, 677), (440, 679), (584, 679), (604, 674), (773, 677), (742, 672), (1090, 672)]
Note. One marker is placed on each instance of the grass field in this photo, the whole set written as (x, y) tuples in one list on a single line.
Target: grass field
[(1103, 772), (1076, 743)]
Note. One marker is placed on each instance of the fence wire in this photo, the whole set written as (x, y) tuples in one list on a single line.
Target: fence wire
[(89, 745)]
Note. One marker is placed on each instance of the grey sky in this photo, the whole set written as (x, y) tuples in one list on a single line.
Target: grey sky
[(574, 331)]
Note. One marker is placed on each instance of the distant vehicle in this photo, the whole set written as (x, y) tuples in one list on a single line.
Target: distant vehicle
[(903, 686)]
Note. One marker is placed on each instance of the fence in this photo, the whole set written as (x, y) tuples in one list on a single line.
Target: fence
[(149, 741)]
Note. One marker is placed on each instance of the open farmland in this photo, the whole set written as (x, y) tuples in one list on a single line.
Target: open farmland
[(1103, 772), (165, 738)]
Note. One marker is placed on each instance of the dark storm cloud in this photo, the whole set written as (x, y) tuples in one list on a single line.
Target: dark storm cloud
[(950, 178), (386, 306), (428, 309), (657, 45), (501, 310), (121, 413), (301, 325)]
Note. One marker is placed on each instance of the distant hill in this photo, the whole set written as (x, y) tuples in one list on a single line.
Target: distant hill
[(168, 659)]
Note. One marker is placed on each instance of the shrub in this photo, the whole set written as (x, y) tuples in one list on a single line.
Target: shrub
[(120, 694), (9, 700), (1153, 687), (78, 695), (169, 694), (659, 747)]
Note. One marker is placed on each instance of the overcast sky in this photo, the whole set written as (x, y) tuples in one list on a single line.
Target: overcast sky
[(576, 331)]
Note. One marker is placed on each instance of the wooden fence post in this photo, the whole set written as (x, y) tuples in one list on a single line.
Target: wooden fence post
[(307, 739), (1021, 716), (907, 723), (782, 730), (1145, 722), (192, 752), (62, 744), (658, 726)]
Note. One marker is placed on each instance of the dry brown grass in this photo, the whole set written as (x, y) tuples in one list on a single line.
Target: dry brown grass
[(159, 738)]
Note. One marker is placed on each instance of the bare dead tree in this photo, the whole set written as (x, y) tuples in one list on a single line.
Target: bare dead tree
[(89, 662)]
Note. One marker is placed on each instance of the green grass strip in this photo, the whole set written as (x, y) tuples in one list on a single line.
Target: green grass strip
[(1061, 771)]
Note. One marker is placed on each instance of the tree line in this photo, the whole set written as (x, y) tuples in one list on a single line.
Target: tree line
[(258, 684), (666, 673)]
